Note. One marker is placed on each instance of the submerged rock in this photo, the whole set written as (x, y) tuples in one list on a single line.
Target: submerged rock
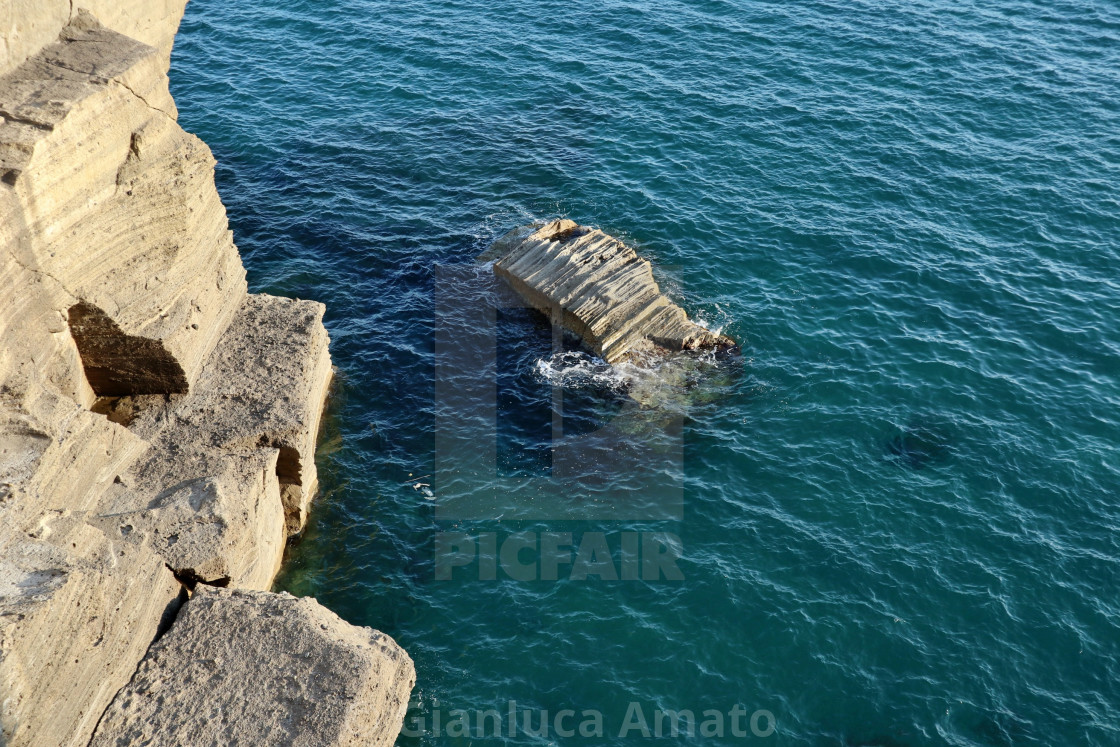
[(920, 444), (600, 289)]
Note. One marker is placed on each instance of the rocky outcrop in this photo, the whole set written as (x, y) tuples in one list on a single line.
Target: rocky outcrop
[(157, 422), (252, 668), (599, 288), (111, 207), (231, 467)]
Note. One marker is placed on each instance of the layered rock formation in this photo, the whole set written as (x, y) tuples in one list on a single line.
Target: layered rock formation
[(598, 287), (157, 422)]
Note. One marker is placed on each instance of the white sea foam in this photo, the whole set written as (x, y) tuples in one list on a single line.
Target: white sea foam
[(579, 370), (714, 321), (660, 382)]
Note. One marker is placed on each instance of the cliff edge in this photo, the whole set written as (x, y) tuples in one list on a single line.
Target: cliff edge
[(157, 422)]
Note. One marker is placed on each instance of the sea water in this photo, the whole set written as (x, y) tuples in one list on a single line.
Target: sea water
[(895, 522)]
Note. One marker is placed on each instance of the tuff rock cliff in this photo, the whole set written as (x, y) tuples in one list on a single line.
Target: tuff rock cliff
[(157, 423)]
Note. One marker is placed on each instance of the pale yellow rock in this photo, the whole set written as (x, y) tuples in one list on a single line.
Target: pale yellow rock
[(598, 287), (26, 26), (90, 172), (224, 527), (231, 470), (78, 607), (263, 386), (255, 668), (77, 610), (119, 278)]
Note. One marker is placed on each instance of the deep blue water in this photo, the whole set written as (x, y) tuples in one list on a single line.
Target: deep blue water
[(898, 520)]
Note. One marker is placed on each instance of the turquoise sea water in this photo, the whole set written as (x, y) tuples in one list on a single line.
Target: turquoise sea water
[(899, 520)]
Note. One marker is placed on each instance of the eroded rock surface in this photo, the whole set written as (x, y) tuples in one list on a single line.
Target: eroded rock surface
[(231, 469), (262, 387), (598, 287), (109, 211), (26, 26), (255, 668), (77, 610)]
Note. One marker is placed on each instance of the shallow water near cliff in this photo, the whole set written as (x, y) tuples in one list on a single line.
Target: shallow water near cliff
[(898, 522)]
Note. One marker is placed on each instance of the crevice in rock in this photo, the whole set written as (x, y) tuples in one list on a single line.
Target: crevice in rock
[(288, 468), (143, 100), (118, 410), (288, 474), (17, 119), (170, 614), (118, 364)]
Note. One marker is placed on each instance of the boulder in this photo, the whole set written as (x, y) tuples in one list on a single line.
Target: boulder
[(256, 668), (231, 471), (77, 610)]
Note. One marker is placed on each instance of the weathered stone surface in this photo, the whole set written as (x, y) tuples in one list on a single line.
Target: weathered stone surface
[(256, 668), (262, 387), (26, 26), (598, 287), (90, 153), (78, 607), (77, 610), (231, 469), (225, 527)]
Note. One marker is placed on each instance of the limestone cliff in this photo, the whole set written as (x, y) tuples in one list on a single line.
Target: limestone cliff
[(157, 422)]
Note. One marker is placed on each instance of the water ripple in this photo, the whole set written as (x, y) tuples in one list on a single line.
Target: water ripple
[(899, 523)]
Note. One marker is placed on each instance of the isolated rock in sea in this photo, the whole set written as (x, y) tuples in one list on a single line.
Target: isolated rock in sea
[(254, 668), (599, 288)]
